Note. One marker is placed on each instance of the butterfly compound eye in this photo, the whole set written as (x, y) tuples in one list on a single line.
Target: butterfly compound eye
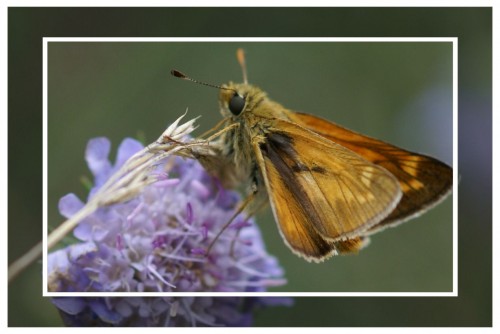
[(236, 104)]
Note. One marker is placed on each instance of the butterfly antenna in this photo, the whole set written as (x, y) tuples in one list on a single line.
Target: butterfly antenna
[(180, 75), (240, 55)]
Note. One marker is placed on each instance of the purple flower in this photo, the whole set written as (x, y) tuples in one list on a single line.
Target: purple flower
[(157, 242), (163, 311)]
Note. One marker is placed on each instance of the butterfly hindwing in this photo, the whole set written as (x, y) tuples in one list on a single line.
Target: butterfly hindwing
[(423, 179)]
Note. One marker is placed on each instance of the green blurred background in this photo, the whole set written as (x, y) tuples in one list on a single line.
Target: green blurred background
[(398, 92), (124, 89)]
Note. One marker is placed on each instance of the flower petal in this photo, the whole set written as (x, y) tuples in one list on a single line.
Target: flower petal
[(69, 205), (96, 155), (58, 261), (127, 148), (70, 305), (103, 312)]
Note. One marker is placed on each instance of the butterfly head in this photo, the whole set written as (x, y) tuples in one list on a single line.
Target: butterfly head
[(236, 100)]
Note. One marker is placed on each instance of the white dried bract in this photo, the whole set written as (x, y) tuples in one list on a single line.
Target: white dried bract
[(177, 132)]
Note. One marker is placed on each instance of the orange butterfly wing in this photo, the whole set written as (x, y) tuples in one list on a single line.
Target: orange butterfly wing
[(425, 181), (324, 197)]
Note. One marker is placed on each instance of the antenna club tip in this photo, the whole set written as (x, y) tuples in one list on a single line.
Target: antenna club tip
[(178, 74)]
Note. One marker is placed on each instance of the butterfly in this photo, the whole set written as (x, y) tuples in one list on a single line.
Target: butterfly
[(329, 188)]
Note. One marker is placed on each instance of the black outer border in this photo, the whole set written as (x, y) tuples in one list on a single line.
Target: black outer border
[(27, 27)]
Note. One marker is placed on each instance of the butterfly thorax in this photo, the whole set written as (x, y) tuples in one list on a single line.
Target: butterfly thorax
[(237, 144)]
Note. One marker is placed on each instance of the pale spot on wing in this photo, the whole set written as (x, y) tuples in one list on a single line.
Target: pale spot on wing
[(416, 184), (367, 175), (405, 187), (411, 185), (410, 165), (348, 196), (367, 197)]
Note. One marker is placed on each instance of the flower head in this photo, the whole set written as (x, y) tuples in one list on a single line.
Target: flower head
[(156, 242)]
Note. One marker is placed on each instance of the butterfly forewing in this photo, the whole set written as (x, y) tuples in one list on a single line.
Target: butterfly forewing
[(423, 180), (330, 191)]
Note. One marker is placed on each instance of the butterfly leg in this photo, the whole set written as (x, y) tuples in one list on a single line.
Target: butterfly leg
[(222, 131), (256, 208), (215, 128), (243, 205)]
